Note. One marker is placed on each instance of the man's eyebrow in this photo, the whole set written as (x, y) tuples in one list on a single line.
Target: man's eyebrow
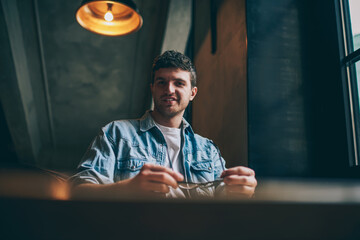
[(180, 79), (174, 79)]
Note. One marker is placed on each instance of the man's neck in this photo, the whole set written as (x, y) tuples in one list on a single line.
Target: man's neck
[(173, 122)]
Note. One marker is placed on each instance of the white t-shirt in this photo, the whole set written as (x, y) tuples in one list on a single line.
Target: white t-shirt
[(173, 141)]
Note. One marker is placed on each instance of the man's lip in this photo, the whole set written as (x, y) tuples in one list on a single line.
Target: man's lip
[(168, 99)]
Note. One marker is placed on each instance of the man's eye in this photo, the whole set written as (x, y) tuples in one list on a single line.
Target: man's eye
[(180, 84), (161, 82)]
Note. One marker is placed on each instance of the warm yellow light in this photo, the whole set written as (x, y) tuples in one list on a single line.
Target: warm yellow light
[(109, 16)]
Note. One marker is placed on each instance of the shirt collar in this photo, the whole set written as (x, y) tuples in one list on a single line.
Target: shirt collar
[(147, 122)]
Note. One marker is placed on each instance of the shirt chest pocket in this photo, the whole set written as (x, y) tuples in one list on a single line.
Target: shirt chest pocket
[(131, 159), (128, 168), (202, 171)]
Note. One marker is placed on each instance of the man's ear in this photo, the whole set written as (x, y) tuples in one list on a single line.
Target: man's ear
[(193, 93)]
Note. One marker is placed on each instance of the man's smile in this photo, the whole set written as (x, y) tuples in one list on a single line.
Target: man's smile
[(169, 99)]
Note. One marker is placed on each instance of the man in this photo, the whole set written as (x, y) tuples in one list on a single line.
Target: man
[(155, 154)]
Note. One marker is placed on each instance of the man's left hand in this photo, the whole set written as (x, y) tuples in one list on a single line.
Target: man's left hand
[(239, 182)]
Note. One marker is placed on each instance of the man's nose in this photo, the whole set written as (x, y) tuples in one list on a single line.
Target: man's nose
[(170, 88)]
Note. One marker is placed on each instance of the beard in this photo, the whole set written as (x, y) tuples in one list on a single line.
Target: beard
[(169, 111)]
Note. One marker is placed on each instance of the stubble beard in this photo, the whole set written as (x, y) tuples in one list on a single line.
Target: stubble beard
[(167, 112)]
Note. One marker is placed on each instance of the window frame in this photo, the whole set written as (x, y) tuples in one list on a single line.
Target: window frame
[(348, 59)]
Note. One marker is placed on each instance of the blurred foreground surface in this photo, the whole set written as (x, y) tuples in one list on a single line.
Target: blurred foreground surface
[(37, 205)]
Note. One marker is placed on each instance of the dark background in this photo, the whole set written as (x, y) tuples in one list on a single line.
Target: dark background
[(295, 96)]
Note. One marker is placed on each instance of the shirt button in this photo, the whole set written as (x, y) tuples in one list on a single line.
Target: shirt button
[(209, 168), (132, 167)]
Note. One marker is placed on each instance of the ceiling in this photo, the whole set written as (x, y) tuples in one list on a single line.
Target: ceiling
[(61, 83)]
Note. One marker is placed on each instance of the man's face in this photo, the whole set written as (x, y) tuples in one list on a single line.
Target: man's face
[(172, 91)]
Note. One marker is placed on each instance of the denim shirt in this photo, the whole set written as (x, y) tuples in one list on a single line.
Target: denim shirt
[(123, 147)]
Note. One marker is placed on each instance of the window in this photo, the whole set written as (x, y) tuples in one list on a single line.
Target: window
[(349, 39)]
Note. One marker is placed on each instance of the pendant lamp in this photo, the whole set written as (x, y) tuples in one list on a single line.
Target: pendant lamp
[(110, 18)]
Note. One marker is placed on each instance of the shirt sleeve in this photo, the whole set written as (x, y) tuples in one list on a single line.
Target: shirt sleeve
[(98, 163)]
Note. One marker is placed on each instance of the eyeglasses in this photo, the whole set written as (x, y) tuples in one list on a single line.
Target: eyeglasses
[(192, 185)]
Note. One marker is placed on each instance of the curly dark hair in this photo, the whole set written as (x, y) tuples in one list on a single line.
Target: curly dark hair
[(174, 59)]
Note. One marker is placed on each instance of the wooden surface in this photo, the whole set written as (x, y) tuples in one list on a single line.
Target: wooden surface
[(220, 107)]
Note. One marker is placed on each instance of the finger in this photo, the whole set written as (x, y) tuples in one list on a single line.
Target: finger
[(238, 171), (177, 176), (156, 187), (153, 194), (162, 177), (239, 190), (240, 180)]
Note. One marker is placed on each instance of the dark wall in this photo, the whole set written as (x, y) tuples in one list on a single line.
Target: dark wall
[(60, 83), (295, 102), (11, 98), (7, 149)]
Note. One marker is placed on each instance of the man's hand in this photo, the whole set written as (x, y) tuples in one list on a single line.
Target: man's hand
[(154, 180), (240, 181)]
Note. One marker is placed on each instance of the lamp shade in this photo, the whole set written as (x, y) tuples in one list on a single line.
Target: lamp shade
[(110, 18)]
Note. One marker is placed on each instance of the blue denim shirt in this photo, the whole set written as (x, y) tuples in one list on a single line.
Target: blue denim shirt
[(123, 147)]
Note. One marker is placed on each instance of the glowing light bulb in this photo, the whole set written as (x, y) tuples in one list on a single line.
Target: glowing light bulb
[(109, 16)]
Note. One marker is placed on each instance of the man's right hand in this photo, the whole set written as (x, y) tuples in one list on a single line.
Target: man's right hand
[(154, 180)]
